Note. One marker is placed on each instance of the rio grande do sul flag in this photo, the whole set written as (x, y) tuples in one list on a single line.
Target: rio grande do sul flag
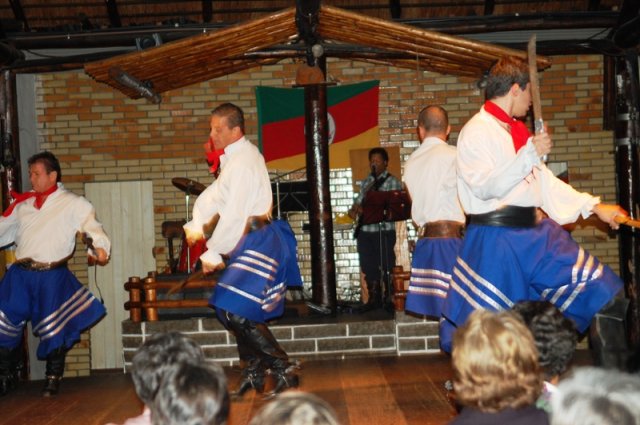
[(353, 123)]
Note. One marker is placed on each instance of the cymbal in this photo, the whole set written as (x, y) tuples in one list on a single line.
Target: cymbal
[(188, 186)]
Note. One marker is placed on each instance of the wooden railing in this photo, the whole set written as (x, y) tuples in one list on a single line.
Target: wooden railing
[(144, 302), (398, 279), (143, 295)]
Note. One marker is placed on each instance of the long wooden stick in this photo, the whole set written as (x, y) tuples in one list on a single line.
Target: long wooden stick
[(180, 286), (538, 123), (627, 221)]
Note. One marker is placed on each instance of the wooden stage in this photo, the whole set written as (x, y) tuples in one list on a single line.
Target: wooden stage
[(363, 391)]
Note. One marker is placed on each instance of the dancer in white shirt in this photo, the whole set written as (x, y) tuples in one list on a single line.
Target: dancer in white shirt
[(261, 254), (508, 255), (43, 224), (430, 177)]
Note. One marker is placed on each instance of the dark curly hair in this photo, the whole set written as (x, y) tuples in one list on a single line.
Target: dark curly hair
[(554, 334)]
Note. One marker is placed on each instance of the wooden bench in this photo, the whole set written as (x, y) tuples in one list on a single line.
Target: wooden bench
[(144, 302)]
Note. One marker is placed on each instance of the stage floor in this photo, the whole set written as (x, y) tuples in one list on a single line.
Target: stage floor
[(404, 390), (363, 391)]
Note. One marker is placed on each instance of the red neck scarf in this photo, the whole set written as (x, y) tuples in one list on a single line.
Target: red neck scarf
[(213, 156), (519, 131), (21, 197)]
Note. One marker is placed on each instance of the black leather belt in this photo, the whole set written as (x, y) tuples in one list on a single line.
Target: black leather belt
[(37, 266), (507, 216), (257, 222)]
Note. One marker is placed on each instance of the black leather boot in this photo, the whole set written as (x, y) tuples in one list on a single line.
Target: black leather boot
[(251, 379), (285, 379), (54, 371), (375, 294), (608, 335), (7, 371)]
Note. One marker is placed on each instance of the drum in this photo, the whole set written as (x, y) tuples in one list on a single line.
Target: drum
[(342, 221), (194, 253)]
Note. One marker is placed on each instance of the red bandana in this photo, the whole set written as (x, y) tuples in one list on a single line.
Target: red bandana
[(213, 156), (519, 131), (21, 197)]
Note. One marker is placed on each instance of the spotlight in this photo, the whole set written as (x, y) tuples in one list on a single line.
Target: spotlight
[(147, 42), (144, 88)]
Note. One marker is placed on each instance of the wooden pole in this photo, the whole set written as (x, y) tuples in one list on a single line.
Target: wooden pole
[(627, 154), (323, 272), (9, 143)]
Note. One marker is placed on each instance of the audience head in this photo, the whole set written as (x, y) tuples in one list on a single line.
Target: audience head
[(156, 356), (495, 363), (295, 408), (191, 394), (554, 334), (594, 396)]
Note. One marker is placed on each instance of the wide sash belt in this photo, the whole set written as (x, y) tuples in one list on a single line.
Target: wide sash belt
[(257, 222), (507, 216), (441, 229), (37, 266)]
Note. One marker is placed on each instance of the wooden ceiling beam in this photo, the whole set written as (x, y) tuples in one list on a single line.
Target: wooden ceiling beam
[(489, 7), (114, 15), (207, 11), (18, 13), (210, 55), (198, 58), (395, 9)]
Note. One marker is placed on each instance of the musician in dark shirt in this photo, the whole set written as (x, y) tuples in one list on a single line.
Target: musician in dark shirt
[(376, 240)]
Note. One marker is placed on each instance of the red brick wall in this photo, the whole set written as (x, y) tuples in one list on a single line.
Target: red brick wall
[(100, 135)]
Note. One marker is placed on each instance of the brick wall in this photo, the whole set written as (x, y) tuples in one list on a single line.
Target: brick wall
[(100, 135), (405, 335)]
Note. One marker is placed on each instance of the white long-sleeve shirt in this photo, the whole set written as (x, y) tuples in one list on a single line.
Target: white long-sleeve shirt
[(430, 177), (49, 234), (242, 190), (492, 175)]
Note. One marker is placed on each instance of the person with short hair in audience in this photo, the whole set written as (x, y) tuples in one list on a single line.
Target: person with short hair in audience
[(191, 394), (295, 408), (152, 361), (596, 396), (497, 377), (555, 337)]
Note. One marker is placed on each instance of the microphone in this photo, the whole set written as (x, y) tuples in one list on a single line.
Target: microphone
[(373, 170)]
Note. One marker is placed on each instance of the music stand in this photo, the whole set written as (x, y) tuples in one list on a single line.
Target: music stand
[(385, 206), (391, 205)]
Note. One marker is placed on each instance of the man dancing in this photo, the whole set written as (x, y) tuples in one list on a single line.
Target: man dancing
[(39, 287), (508, 255), (261, 254), (430, 177)]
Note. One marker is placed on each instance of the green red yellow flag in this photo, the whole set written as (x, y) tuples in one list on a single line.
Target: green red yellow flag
[(353, 123)]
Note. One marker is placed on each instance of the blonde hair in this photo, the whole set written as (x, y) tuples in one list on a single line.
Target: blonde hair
[(295, 408), (495, 362)]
